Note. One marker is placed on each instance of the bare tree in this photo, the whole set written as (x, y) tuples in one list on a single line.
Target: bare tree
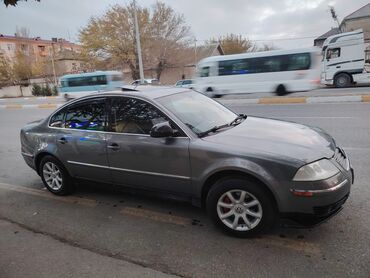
[(234, 44), (13, 2), (334, 15), (110, 39)]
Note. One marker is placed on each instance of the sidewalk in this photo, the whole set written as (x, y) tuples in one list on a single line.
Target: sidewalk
[(24, 253)]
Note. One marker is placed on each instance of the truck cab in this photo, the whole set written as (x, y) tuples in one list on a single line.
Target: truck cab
[(343, 60)]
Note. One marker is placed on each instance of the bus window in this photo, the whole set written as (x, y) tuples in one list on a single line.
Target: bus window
[(232, 67), (204, 72), (300, 61), (87, 81), (64, 83)]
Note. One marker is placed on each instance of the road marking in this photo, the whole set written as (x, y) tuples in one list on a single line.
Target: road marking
[(334, 99), (297, 117), (356, 149), (48, 195), (156, 216), (293, 244), (365, 98), (274, 100), (13, 106), (48, 105)]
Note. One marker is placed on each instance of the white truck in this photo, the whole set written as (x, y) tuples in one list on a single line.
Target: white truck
[(344, 61)]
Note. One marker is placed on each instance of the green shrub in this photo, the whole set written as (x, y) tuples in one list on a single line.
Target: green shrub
[(46, 91), (55, 90), (36, 90)]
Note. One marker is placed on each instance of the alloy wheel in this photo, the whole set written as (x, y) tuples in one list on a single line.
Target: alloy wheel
[(239, 210), (52, 176)]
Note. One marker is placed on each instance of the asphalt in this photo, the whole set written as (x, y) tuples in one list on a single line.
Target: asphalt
[(143, 233)]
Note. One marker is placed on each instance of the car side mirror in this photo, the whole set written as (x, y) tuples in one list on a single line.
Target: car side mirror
[(162, 130)]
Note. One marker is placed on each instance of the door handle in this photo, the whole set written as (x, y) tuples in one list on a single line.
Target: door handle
[(338, 67), (62, 140), (113, 146)]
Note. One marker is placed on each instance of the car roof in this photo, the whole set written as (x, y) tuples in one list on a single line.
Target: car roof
[(149, 92)]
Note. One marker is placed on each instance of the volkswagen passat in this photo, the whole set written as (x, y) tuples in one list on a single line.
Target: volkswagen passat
[(247, 171)]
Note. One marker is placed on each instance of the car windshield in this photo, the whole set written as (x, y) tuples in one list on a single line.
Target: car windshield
[(197, 111)]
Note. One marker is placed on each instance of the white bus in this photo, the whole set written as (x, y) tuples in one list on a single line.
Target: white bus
[(279, 71)]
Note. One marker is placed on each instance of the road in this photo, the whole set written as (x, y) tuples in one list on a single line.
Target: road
[(146, 236)]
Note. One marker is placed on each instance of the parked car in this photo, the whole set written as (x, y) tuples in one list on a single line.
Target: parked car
[(185, 83), (247, 171), (150, 81)]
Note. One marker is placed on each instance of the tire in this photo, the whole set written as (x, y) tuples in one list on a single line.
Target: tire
[(209, 92), (281, 90), (342, 80), (261, 214), (55, 177)]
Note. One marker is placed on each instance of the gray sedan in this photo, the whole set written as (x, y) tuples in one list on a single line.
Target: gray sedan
[(248, 172)]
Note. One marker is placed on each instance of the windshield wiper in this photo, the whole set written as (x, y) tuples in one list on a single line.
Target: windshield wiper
[(234, 122), (238, 119), (213, 129)]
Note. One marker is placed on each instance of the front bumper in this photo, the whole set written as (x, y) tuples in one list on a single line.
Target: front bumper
[(321, 214), (312, 203)]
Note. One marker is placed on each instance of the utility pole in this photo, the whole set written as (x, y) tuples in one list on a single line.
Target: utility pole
[(53, 63), (195, 51), (138, 46)]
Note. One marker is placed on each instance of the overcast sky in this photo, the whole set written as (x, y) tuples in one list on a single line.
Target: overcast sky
[(266, 21)]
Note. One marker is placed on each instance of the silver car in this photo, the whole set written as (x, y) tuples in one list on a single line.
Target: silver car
[(248, 172)]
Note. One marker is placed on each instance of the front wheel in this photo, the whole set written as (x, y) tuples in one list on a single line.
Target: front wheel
[(241, 207), (342, 80)]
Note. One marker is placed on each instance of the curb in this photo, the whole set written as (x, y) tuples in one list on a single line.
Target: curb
[(27, 106), (294, 100)]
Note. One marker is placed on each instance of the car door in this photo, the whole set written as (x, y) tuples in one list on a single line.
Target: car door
[(81, 143), (139, 160)]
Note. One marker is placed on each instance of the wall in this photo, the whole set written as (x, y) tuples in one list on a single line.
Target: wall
[(360, 23), (15, 91)]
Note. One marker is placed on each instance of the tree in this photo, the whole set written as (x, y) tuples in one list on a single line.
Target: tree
[(13, 2), (22, 67), (110, 39), (6, 71), (234, 44)]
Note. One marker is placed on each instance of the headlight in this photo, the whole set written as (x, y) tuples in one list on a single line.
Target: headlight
[(315, 171)]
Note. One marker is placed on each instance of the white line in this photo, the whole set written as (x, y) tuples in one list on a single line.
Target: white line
[(356, 149), (334, 99), (286, 117)]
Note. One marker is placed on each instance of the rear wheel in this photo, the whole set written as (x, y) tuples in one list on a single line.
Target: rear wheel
[(54, 176), (281, 90), (342, 80), (241, 207)]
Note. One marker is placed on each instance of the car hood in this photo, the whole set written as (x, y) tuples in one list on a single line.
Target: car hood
[(284, 140)]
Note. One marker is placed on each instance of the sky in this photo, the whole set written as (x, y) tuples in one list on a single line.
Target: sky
[(282, 23)]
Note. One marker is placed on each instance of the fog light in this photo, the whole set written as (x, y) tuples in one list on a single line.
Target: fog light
[(302, 193)]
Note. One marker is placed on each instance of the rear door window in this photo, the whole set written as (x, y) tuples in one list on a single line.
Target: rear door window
[(89, 115)]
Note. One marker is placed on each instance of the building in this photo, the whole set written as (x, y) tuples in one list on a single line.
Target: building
[(359, 19), (319, 41), (63, 52)]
